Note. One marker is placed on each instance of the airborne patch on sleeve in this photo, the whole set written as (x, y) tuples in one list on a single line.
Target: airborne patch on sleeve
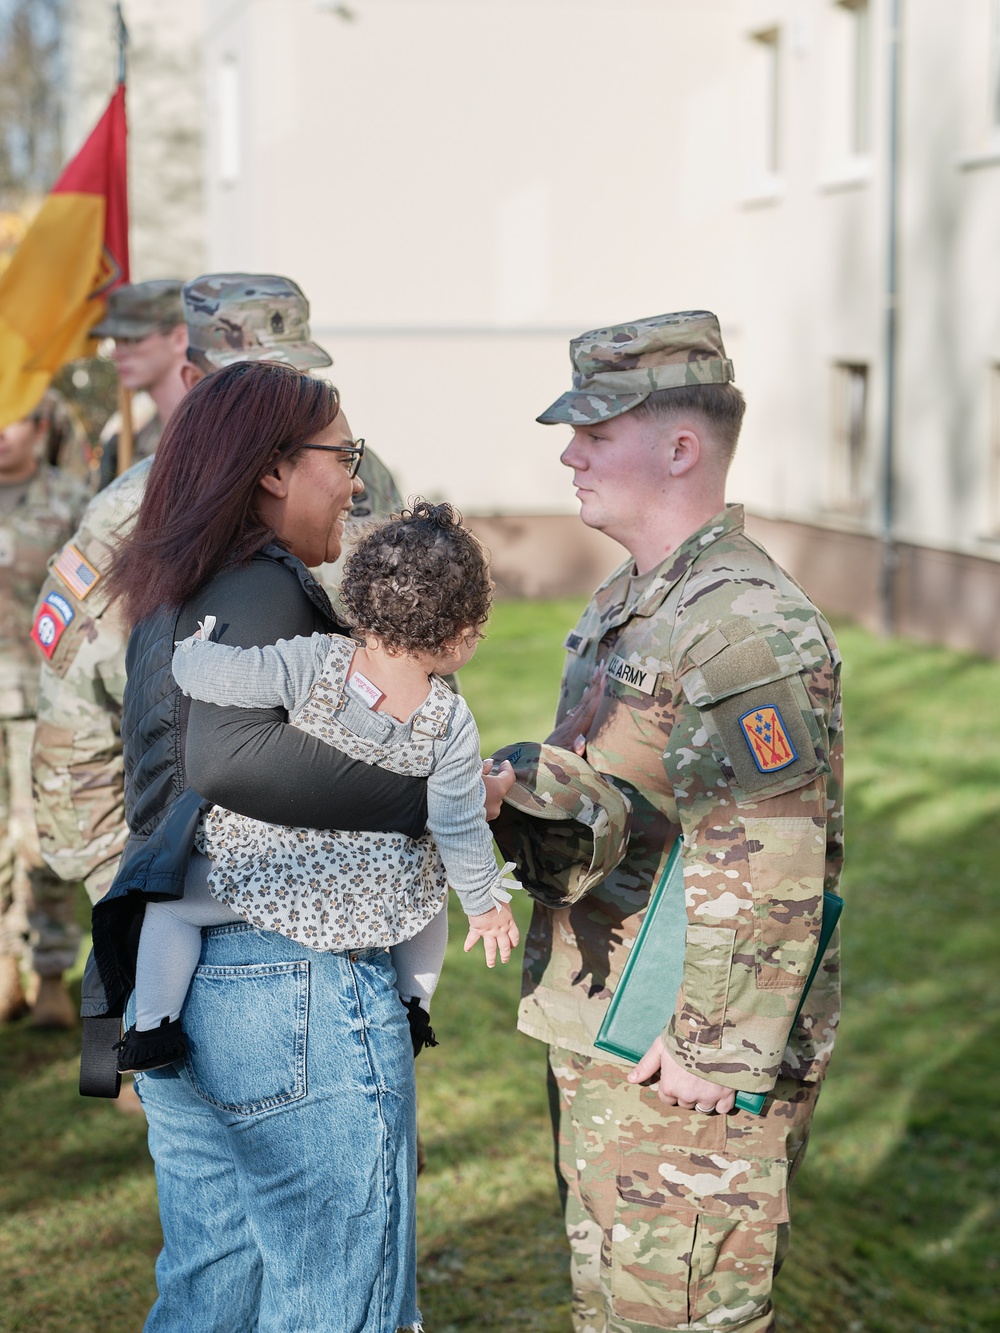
[(768, 739), (54, 615)]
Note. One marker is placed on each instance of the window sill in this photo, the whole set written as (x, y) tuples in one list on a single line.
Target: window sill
[(856, 520), (989, 157), (764, 194), (852, 176)]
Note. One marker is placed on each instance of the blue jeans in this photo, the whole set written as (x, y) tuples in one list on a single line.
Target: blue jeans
[(285, 1145)]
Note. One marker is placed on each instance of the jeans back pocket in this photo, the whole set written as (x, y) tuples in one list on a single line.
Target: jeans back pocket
[(246, 1027)]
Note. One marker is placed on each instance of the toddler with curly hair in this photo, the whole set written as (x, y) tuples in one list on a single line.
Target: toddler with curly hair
[(417, 591)]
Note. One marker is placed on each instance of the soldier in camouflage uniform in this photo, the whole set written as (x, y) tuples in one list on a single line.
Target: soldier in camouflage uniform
[(39, 506), (147, 323), (717, 710), (79, 782)]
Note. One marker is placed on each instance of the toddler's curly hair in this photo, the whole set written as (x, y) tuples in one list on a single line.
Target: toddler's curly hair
[(418, 580)]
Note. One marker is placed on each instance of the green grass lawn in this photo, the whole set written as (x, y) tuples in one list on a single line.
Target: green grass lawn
[(895, 1210)]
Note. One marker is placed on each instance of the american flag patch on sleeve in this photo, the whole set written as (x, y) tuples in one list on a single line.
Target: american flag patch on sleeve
[(75, 571)]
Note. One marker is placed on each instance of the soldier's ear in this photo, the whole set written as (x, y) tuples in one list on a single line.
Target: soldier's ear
[(179, 339), (190, 376), (685, 450)]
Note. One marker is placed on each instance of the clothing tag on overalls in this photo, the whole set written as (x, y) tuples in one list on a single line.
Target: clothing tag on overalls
[(576, 643), (628, 673), (362, 688)]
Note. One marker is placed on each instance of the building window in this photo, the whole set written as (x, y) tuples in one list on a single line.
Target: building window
[(860, 64), (849, 439), (767, 52), (229, 122)]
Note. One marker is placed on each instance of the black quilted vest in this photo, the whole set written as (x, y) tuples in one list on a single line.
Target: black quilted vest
[(155, 712)]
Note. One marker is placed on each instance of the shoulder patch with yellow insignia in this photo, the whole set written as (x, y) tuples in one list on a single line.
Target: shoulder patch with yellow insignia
[(768, 739)]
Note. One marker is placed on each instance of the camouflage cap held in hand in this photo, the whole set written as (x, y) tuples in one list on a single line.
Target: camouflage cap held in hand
[(250, 317), (137, 309), (564, 825), (616, 369)]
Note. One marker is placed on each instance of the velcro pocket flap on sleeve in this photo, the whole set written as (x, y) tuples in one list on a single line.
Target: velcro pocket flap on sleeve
[(721, 667), (748, 687)]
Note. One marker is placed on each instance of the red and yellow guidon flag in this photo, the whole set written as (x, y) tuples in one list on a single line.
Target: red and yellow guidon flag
[(76, 250)]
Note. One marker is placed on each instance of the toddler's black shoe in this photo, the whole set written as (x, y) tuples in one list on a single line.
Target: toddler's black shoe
[(139, 1052), (421, 1032)]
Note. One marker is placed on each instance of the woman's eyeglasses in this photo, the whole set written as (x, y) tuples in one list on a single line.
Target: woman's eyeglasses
[(355, 452)]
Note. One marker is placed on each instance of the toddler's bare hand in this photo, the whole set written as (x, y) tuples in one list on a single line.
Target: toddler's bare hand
[(498, 784), (498, 932)]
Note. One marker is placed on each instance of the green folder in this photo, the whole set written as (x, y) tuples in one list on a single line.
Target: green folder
[(647, 991)]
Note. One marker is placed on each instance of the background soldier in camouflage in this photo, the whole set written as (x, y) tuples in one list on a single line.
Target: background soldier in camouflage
[(79, 785), (39, 507), (147, 323), (718, 712)]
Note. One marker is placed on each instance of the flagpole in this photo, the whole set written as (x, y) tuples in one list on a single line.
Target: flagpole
[(126, 434), (122, 33)]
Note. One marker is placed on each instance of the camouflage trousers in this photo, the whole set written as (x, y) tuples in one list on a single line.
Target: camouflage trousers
[(37, 909), (675, 1219)]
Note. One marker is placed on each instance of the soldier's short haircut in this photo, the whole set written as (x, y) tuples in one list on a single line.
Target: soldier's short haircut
[(722, 406), (418, 580)]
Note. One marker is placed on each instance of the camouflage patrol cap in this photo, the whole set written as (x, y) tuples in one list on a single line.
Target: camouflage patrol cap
[(250, 317), (564, 825), (616, 369), (137, 309)]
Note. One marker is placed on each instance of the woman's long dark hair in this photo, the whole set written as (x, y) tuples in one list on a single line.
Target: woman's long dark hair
[(201, 512)]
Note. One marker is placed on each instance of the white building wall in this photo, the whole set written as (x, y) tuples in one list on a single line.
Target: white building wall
[(812, 271), (811, 266), (460, 188)]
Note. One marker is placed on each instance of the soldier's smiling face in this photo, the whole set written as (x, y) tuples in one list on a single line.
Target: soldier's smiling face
[(620, 471)]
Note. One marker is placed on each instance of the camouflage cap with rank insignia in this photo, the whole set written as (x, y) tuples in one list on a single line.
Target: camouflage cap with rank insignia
[(564, 825), (616, 369), (137, 309), (249, 317)]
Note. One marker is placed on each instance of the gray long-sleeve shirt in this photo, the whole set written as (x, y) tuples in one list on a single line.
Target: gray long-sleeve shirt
[(285, 673)]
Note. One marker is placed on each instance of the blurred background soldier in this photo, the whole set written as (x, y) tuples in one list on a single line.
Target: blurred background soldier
[(66, 445), (77, 758), (146, 320), (39, 507)]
